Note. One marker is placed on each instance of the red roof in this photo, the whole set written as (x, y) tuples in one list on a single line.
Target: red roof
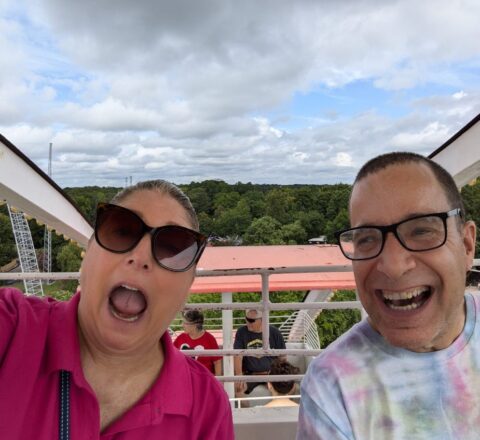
[(248, 257)]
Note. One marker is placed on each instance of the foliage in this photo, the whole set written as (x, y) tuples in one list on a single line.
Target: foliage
[(471, 199), (333, 323), (265, 230), (8, 251), (69, 259)]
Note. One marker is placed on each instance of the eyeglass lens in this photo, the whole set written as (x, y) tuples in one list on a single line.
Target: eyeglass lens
[(418, 234), (174, 247), (119, 230), (250, 320)]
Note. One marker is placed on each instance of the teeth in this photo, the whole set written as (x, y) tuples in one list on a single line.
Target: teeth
[(409, 307), (134, 289), (123, 318), (406, 294)]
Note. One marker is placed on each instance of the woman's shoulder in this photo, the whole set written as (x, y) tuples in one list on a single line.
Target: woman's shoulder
[(12, 298)]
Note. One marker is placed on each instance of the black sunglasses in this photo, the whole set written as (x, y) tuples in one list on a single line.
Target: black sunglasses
[(251, 320), (175, 248)]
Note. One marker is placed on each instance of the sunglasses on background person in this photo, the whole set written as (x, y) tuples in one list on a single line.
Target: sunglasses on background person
[(175, 248), (251, 320)]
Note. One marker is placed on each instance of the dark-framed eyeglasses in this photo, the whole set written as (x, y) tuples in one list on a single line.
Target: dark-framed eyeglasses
[(416, 234), (175, 248), (250, 320)]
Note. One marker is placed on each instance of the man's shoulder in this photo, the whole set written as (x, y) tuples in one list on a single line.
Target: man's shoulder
[(243, 330), (351, 344)]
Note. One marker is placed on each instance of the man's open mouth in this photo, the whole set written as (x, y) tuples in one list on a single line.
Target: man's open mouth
[(410, 299), (127, 303)]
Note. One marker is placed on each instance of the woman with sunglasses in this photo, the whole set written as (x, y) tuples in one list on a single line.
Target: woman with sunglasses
[(102, 365)]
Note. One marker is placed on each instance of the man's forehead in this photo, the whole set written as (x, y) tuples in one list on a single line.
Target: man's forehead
[(395, 193)]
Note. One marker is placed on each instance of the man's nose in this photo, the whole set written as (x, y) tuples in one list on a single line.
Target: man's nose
[(394, 260)]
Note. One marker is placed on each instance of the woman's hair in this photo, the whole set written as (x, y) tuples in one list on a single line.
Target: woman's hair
[(163, 187), (194, 317), (280, 367)]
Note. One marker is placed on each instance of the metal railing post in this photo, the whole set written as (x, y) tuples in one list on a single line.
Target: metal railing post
[(227, 332), (266, 312)]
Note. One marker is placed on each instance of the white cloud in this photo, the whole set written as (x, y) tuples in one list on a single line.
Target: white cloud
[(192, 90)]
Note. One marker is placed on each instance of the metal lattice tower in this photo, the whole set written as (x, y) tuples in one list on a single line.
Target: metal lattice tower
[(26, 250)]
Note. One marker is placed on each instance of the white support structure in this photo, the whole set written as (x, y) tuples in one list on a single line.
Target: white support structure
[(301, 328), (26, 250), (227, 327), (24, 185), (47, 236), (460, 155), (47, 252)]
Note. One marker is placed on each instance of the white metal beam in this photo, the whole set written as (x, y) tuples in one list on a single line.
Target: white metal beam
[(460, 155), (26, 187)]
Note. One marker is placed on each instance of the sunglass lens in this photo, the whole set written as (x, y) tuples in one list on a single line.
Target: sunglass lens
[(118, 229), (175, 247)]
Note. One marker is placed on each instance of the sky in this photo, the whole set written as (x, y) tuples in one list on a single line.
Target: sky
[(261, 91)]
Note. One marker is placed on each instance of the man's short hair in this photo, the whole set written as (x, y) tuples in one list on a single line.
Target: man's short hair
[(443, 177), (259, 313)]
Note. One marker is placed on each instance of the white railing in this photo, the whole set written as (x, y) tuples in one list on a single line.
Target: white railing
[(264, 304)]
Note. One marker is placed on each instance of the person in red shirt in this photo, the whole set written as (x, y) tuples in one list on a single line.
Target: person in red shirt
[(196, 338)]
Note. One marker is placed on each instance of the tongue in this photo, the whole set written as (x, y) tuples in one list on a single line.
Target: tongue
[(127, 302)]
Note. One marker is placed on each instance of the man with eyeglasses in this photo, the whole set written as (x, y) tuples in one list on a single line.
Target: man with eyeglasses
[(249, 336), (411, 370)]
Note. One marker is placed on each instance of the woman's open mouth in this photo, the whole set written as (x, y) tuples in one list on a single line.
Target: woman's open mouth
[(127, 303)]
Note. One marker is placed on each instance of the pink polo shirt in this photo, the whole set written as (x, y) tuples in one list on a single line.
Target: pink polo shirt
[(38, 338)]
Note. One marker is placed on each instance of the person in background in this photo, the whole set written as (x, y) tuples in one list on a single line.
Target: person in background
[(281, 390), (411, 369), (196, 338), (102, 365), (249, 336)]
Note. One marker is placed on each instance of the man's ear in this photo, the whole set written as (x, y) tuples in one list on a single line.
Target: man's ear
[(469, 237)]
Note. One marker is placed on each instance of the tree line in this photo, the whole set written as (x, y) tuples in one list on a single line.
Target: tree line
[(232, 214), (242, 213)]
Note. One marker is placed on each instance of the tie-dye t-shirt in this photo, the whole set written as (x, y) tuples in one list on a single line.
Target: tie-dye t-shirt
[(362, 388)]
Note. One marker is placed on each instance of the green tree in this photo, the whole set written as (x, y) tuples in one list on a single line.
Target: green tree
[(341, 221), (69, 259), (8, 250), (293, 233), (256, 202), (207, 225), (264, 230), (224, 201), (200, 200), (312, 222), (471, 199), (234, 221), (333, 323), (280, 205)]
